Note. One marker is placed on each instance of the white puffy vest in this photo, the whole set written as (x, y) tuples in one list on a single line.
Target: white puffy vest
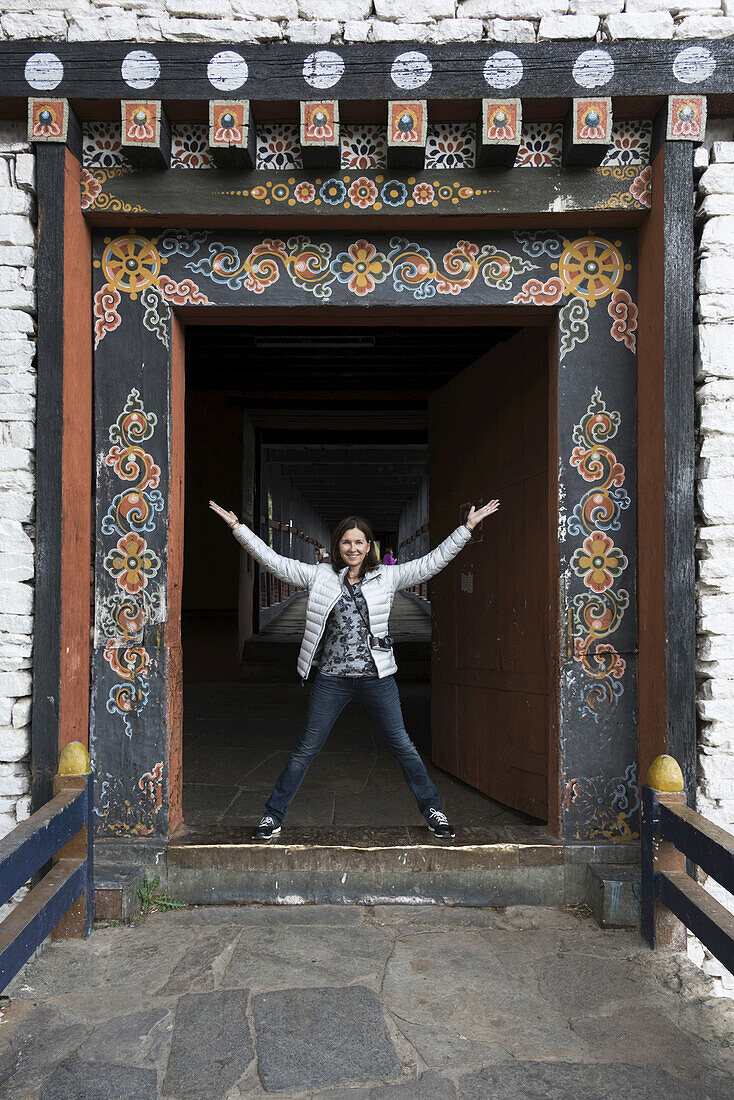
[(325, 586)]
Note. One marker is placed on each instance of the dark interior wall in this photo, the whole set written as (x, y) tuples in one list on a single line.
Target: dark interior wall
[(213, 472)]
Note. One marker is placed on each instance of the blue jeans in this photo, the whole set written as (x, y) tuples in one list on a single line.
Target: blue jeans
[(329, 696)]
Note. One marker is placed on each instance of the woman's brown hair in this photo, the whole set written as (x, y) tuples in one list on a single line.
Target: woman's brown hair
[(370, 561)]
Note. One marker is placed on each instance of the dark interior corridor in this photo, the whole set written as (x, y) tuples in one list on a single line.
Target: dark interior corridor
[(293, 429)]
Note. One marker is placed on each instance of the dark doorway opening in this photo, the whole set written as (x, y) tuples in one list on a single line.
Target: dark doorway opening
[(293, 428)]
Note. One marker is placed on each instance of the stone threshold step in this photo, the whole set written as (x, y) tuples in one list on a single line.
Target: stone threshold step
[(481, 866)]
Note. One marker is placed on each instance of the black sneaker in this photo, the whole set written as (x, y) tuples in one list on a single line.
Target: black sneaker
[(438, 823), (267, 829)]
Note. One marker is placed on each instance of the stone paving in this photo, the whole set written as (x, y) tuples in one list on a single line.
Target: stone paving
[(364, 1003)]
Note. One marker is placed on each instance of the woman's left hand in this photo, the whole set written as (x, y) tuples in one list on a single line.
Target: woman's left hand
[(476, 515), (229, 517)]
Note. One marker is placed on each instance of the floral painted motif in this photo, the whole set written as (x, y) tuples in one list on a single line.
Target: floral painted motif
[(333, 192), (623, 312), (597, 614), (540, 145), (305, 192), (363, 147), (363, 193), (394, 193), (598, 561), (500, 120), (641, 187), (423, 193), (687, 117), (141, 122), (591, 120), (131, 563), (91, 187), (630, 144), (407, 124), (49, 119), (278, 146), (319, 122), (361, 266), (451, 145), (190, 146), (607, 806), (101, 146)]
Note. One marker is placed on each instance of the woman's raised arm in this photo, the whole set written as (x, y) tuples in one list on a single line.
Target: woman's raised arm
[(422, 569), (299, 573)]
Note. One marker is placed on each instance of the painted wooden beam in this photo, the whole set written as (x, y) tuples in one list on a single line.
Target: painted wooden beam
[(232, 137), (587, 132), (169, 196), (146, 133), (53, 120), (500, 130), (407, 129), (320, 133), (293, 71)]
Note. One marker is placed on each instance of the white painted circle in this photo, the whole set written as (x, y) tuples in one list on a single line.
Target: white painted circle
[(44, 71), (411, 70), (503, 69), (227, 70), (693, 64), (323, 69), (140, 69), (592, 68)]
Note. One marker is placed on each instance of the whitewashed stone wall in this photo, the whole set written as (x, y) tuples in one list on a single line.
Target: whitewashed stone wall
[(318, 21), (715, 397), (17, 479)]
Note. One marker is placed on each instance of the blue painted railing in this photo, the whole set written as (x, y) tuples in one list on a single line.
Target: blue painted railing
[(60, 831), (671, 828)]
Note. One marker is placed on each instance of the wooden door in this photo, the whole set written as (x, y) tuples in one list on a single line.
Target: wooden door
[(490, 701)]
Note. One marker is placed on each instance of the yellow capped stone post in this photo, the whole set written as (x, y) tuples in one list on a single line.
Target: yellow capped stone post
[(664, 774), (74, 760)]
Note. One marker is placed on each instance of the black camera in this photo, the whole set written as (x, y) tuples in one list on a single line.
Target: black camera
[(381, 643)]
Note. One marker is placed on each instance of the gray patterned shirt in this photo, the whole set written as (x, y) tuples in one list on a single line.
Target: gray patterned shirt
[(345, 649)]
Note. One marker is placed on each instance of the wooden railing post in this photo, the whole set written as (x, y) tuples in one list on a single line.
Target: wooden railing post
[(75, 772), (664, 785)]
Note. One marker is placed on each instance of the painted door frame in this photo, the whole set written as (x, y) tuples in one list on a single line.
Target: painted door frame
[(139, 281)]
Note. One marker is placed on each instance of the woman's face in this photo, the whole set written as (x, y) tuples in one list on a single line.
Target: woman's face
[(353, 547)]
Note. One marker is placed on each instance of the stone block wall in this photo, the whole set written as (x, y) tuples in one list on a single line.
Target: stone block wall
[(320, 21), (17, 477), (715, 490)]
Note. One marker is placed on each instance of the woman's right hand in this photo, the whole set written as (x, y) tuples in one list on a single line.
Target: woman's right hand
[(229, 517)]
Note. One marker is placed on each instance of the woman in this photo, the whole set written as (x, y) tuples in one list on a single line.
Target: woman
[(347, 615), (388, 559)]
